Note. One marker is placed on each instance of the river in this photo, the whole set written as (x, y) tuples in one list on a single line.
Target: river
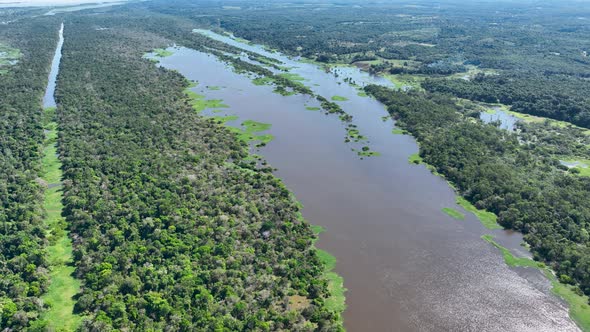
[(49, 98), (407, 265)]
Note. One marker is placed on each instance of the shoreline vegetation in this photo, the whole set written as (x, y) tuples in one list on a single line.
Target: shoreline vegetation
[(579, 310), (285, 83), (488, 219), (26, 200), (408, 119), (336, 301), (453, 213), (175, 228), (63, 286), (176, 225), (248, 130)]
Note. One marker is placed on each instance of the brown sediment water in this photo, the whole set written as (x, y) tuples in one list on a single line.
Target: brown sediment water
[(407, 265)]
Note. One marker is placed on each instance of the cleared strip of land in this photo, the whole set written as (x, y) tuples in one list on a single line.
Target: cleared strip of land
[(63, 287)]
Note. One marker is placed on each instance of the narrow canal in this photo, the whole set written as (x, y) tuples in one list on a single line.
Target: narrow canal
[(49, 98)]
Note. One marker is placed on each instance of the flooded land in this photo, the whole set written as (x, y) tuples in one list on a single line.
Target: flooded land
[(407, 265)]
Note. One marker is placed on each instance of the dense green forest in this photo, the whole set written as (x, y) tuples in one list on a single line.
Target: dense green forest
[(175, 227), (23, 265), (172, 227), (559, 97), (532, 57), (537, 53), (494, 171)]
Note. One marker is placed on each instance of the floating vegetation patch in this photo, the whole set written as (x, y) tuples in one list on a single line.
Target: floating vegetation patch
[(199, 103), (454, 213), (487, 219), (262, 81), (339, 98), (366, 151), (248, 132), (354, 135)]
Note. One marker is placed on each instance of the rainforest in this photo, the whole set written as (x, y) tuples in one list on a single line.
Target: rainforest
[(308, 165)]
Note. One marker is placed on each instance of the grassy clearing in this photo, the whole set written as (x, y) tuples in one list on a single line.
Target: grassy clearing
[(63, 286), (312, 108), (510, 259), (362, 94), (50, 163), (62, 289), (533, 118), (339, 98), (454, 213), (488, 219), (579, 310), (471, 72), (415, 159), (162, 53), (405, 80), (582, 166), (8, 56)]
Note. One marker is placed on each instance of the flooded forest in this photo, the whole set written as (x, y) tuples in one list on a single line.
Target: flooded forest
[(312, 165)]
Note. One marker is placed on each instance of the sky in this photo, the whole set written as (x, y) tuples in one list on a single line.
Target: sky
[(28, 3)]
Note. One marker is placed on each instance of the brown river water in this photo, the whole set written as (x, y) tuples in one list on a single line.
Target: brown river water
[(407, 265)]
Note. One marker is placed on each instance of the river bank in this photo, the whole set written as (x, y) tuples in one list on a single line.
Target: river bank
[(382, 215)]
